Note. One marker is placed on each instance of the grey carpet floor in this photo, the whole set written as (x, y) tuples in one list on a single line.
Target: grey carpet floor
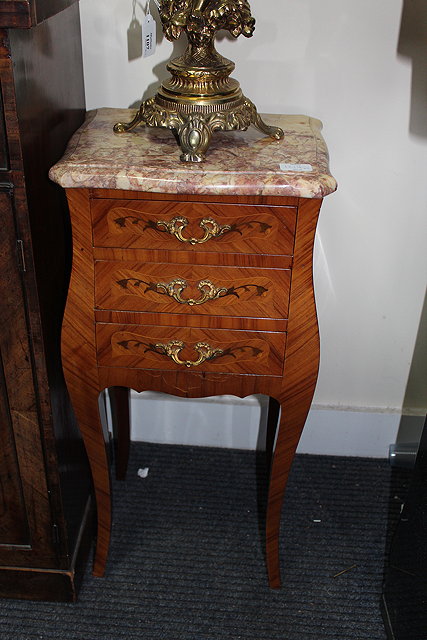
[(187, 560)]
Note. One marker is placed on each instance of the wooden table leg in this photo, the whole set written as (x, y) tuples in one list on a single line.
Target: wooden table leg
[(83, 389), (79, 359), (120, 413), (290, 429), (299, 378)]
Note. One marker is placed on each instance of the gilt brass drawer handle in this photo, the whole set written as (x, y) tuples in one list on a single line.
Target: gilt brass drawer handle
[(175, 288), (177, 225), (173, 348)]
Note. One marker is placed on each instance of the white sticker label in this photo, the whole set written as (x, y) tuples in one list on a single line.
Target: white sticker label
[(295, 167), (148, 36)]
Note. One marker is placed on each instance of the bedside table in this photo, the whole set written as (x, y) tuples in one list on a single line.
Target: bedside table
[(193, 280)]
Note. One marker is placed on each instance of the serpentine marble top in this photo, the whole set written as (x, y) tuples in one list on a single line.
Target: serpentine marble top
[(237, 162)]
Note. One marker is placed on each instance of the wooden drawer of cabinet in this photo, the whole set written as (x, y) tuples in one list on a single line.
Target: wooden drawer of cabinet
[(145, 224), (173, 348), (177, 288)]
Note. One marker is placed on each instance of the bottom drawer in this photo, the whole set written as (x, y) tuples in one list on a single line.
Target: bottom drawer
[(172, 348)]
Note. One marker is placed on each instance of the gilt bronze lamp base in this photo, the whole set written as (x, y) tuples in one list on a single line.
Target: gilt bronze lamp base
[(194, 124), (200, 97)]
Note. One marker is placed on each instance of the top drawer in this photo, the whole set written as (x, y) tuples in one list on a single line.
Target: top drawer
[(146, 224)]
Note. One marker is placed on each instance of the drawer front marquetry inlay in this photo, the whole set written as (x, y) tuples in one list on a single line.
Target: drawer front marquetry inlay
[(176, 227), (174, 288), (170, 348), (193, 226)]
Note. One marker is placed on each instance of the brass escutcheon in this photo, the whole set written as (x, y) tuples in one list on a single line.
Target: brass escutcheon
[(211, 228)]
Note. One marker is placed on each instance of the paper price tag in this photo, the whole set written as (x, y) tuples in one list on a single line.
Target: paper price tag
[(295, 167), (148, 35)]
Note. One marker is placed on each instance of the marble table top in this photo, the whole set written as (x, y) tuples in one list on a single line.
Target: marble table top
[(237, 162)]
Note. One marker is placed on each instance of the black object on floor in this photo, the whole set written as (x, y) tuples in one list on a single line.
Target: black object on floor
[(187, 559), (405, 587)]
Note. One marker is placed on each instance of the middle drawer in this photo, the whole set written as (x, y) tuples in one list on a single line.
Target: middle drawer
[(176, 288)]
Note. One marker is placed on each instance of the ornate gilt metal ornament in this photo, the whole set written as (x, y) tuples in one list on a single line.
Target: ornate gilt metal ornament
[(200, 97), (175, 288), (173, 348), (211, 228)]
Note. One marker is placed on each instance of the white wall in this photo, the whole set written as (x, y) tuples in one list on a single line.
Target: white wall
[(360, 68)]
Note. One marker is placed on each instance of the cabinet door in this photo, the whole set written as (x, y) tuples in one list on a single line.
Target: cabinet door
[(26, 537), (13, 521), (4, 159)]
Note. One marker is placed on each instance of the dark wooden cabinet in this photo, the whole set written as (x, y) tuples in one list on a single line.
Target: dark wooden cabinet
[(28, 13), (45, 488)]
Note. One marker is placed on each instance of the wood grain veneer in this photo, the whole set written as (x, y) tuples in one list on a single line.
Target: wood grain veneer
[(190, 320), (115, 319)]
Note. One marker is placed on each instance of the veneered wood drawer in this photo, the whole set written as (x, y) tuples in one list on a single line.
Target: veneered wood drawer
[(174, 348), (193, 226), (176, 288)]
